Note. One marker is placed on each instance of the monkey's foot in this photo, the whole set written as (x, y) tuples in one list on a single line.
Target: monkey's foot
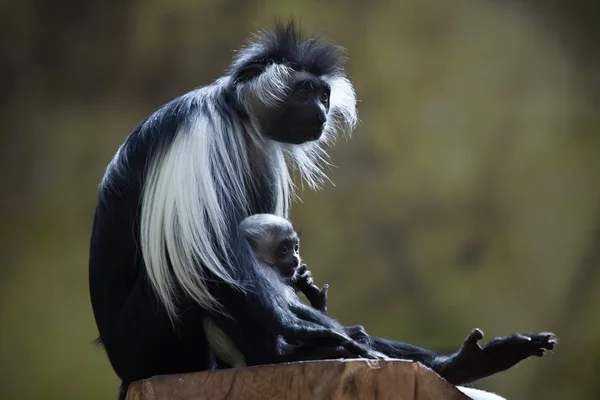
[(356, 332), (317, 298), (473, 362), (306, 352)]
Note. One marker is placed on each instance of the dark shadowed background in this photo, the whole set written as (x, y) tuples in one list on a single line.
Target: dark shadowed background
[(468, 197)]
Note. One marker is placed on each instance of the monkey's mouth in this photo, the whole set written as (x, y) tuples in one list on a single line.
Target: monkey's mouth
[(317, 132), (309, 133), (288, 271)]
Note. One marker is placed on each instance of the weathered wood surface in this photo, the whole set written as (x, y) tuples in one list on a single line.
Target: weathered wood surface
[(329, 379)]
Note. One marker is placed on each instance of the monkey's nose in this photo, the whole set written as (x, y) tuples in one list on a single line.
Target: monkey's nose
[(321, 119)]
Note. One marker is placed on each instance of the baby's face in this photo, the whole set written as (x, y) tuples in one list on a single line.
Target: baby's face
[(280, 251), (287, 259)]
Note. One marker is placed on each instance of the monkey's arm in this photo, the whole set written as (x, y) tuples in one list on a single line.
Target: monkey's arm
[(265, 304), (472, 361), (302, 281)]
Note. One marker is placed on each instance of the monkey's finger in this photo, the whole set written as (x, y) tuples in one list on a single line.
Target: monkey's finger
[(475, 336), (301, 269), (546, 340), (325, 288)]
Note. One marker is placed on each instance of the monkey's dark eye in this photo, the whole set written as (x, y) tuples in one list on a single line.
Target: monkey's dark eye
[(324, 97), (251, 71), (284, 250), (296, 248), (302, 92)]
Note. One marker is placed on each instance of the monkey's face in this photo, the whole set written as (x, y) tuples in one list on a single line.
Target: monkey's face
[(293, 89), (303, 115), (290, 106), (287, 256)]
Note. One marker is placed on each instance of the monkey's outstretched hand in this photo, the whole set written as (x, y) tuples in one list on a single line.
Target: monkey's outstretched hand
[(473, 362)]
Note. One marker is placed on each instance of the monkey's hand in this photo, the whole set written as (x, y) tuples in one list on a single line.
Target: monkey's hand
[(473, 362), (302, 278), (303, 282)]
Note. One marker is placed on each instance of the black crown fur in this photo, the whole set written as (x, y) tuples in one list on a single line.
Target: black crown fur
[(285, 45)]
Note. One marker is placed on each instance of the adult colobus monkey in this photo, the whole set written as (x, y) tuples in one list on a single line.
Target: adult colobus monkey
[(165, 246)]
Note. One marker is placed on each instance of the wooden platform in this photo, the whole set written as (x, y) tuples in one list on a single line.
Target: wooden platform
[(329, 379)]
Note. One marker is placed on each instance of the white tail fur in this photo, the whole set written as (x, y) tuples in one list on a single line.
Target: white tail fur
[(477, 394)]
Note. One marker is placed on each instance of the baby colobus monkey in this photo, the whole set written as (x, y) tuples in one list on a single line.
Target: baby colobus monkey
[(276, 245)]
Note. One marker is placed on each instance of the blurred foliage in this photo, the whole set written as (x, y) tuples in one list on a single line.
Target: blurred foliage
[(468, 197)]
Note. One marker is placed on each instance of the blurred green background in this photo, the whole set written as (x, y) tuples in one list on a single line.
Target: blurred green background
[(468, 197)]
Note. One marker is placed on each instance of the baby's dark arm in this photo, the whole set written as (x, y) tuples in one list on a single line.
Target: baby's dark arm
[(302, 281)]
